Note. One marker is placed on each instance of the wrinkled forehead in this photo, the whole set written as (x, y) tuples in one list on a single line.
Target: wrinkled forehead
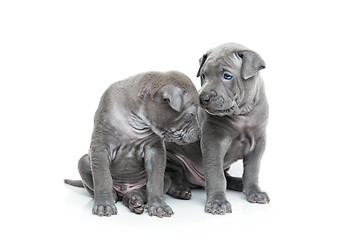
[(227, 48), (224, 60)]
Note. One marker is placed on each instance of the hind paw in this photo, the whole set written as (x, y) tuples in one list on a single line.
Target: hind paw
[(257, 197), (180, 192), (136, 204)]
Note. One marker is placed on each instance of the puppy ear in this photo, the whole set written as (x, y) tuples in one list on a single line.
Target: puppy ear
[(251, 63), (201, 62), (173, 95)]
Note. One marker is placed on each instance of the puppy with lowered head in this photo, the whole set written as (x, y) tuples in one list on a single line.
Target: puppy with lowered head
[(127, 155)]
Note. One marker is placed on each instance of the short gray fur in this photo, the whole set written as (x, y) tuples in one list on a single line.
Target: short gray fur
[(127, 156), (233, 121)]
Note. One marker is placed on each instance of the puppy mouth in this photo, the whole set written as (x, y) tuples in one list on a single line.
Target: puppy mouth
[(237, 108), (221, 112), (213, 110)]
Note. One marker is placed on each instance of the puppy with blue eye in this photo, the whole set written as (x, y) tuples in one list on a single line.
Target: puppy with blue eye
[(233, 118)]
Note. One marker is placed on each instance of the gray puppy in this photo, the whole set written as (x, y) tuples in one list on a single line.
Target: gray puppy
[(233, 121), (127, 152)]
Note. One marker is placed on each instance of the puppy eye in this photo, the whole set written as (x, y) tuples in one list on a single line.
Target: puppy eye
[(227, 76), (202, 76)]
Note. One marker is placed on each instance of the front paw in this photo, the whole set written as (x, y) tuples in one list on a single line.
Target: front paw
[(104, 209), (256, 196), (160, 210), (218, 206)]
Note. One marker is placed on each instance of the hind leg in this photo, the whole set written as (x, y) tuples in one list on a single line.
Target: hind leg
[(180, 187), (135, 200), (84, 168), (233, 183), (85, 172)]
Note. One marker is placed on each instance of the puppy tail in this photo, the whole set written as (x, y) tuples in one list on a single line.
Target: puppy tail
[(75, 183)]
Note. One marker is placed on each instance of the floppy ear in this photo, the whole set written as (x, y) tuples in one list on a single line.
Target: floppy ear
[(251, 63), (173, 95), (201, 62)]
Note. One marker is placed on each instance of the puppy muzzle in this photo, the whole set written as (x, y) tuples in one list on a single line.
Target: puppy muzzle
[(184, 136)]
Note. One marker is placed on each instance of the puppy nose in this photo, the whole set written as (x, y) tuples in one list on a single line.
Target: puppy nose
[(205, 97), (195, 134), (199, 135)]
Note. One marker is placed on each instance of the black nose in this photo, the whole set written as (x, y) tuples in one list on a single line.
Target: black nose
[(205, 97), (195, 134), (199, 135)]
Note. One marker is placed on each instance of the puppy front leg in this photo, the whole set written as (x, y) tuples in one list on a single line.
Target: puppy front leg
[(155, 162), (104, 204), (214, 145), (250, 178)]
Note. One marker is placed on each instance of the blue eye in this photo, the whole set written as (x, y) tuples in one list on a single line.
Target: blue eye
[(227, 76)]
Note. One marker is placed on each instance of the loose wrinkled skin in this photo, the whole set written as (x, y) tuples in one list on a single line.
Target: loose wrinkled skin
[(233, 118), (127, 156)]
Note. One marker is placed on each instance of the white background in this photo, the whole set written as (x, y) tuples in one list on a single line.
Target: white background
[(57, 58)]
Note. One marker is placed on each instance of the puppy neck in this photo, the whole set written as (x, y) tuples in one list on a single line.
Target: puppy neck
[(248, 106), (142, 115)]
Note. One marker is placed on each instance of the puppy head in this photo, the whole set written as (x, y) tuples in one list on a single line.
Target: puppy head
[(229, 75), (172, 109)]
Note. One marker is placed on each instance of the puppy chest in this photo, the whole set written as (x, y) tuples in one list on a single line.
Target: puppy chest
[(127, 166)]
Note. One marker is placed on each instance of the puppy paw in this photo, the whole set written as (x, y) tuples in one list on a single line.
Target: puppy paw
[(160, 210), (104, 209), (180, 192), (255, 196), (136, 204), (218, 207)]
